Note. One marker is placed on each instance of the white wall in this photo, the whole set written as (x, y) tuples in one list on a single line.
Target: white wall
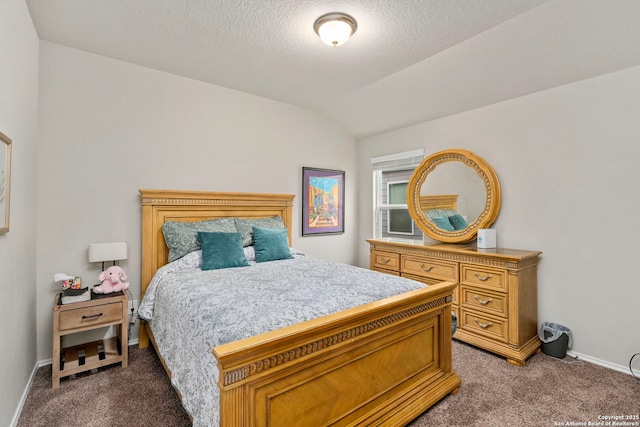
[(19, 121), (109, 128), (567, 160)]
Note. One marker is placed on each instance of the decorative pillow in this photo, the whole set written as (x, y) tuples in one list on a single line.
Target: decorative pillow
[(182, 237), (439, 212), (458, 222), (244, 226), (271, 244), (442, 222), (221, 250)]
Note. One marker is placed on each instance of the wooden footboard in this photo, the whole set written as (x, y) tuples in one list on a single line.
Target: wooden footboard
[(382, 363)]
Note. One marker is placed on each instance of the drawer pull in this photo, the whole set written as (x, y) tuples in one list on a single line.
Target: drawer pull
[(484, 279), (483, 302), (427, 269), (483, 325), (385, 260), (93, 316)]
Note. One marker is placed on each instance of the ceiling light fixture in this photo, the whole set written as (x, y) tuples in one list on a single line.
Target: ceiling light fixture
[(335, 28)]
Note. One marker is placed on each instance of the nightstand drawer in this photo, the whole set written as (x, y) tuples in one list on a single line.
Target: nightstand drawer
[(443, 270), (90, 316), (484, 277)]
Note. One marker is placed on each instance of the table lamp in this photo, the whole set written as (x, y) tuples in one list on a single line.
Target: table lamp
[(103, 252)]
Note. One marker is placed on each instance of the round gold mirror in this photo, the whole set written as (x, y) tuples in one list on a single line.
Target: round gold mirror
[(452, 194)]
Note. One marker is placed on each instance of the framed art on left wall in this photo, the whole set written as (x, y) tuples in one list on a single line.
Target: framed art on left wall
[(322, 201), (5, 181)]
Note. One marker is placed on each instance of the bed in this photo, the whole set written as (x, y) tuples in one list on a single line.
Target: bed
[(379, 363), (442, 211)]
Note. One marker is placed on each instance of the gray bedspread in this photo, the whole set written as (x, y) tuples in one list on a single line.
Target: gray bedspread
[(191, 311)]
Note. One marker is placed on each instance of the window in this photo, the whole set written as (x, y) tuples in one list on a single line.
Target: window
[(390, 180), (398, 219)]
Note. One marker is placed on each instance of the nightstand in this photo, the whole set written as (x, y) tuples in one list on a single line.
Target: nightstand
[(86, 316)]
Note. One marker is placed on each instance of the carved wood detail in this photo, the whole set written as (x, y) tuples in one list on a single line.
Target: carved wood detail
[(449, 256), (244, 372), (159, 201)]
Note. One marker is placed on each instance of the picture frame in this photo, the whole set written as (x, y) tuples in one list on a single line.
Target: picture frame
[(5, 181), (322, 201)]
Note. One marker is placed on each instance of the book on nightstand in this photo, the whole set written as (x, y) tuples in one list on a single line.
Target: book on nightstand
[(69, 295)]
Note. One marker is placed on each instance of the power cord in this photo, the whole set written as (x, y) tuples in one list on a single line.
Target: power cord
[(130, 315), (574, 359), (631, 369)]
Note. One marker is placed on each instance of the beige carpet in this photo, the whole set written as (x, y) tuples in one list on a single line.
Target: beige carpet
[(546, 392)]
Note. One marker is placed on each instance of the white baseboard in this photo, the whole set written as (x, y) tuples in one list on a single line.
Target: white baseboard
[(25, 393), (619, 368)]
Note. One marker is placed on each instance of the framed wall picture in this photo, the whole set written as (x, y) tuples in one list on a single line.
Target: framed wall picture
[(5, 181), (322, 201)]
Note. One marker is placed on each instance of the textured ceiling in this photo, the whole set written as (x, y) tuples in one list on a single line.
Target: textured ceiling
[(409, 61)]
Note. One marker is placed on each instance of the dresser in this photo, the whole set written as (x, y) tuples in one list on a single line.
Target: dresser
[(496, 297)]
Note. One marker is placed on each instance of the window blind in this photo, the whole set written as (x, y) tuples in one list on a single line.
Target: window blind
[(397, 161)]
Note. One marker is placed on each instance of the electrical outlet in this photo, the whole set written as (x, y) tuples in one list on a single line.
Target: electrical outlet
[(133, 316)]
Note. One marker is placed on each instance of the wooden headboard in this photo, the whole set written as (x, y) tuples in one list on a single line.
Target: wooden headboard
[(440, 201), (160, 206)]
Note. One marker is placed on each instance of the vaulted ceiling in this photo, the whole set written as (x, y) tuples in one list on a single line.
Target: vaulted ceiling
[(409, 60)]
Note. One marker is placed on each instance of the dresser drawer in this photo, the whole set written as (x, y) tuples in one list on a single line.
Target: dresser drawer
[(481, 324), (425, 267), (483, 301), (90, 316), (431, 281), (484, 277), (382, 270), (386, 260)]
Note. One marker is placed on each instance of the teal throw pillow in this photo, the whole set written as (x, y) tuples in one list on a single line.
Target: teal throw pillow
[(458, 222), (182, 237), (271, 244), (439, 212), (442, 222), (221, 250), (245, 226)]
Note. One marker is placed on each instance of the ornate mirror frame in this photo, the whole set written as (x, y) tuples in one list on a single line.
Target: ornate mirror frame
[(484, 219)]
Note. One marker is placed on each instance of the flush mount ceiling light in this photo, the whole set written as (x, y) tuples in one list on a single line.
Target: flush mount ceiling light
[(335, 28)]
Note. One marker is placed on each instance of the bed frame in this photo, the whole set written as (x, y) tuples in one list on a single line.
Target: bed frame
[(382, 363), (440, 201)]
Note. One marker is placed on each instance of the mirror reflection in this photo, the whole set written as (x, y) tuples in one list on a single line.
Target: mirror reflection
[(460, 186)]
